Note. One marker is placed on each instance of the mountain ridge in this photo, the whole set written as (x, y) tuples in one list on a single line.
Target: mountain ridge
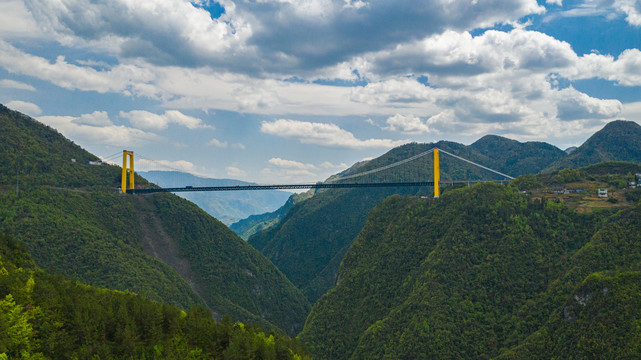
[(505, 155), (76, 222)]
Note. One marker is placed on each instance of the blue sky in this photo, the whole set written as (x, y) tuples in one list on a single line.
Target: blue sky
[(297, 90)]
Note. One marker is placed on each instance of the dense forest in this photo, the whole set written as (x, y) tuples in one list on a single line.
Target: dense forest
[(480, 273), (318, 231), (75, 222), (43, 316), (540, 268)]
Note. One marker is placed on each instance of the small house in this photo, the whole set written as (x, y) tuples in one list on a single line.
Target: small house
[(603, 193)]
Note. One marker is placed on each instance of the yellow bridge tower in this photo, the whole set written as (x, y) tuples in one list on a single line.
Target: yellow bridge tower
[(127, 154), (437, 174)]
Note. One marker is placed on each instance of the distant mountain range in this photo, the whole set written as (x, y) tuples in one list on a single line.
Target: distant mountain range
[(228, 207), (320, 230)]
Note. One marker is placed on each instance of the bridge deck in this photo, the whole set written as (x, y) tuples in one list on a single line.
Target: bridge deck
[(299, 186)]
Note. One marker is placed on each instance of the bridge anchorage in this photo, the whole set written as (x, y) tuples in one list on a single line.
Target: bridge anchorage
[(128, 186)]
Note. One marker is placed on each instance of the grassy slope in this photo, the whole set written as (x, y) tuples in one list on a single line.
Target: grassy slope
[(75, 222)]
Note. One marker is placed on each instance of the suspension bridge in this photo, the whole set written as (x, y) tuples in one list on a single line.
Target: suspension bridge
[(374, 178)]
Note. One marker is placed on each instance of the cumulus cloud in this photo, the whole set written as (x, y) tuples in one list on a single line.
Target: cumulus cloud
[(575, 105), (291, 164), (217, 143), (125, 79), (97, 118), (11, 84), (632, 111), (624, 70), (459, 54), (28, 108), (280, 175), (409, 124), (235, 172), (16, 21), (323, 134), (150, 121), (238, 146), (168, 32), (164, 165), (632, 8), (263, 36), (80, 130)]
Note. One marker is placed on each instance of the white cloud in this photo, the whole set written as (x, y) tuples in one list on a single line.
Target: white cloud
[(150, 121), (632, 111), (143, 164), (554, 2), (575, 105), (262, 36), (11, 84), (281, 175), (176, 117), (28, 108), (77, 130), (323, 134), (170, 31), (97, 118), (291, 164), (238, 146), (235, 172), (625, 70), (217, 143), (460, 55), (16, 21), (125, 79), (632, 8), (329, 165), (408, 124)]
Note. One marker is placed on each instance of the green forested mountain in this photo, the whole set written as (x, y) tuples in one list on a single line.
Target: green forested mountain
[(228, 207), (618, 140), (75, 222), (45, 317), (515, 157), (484, 272), (318, 231)]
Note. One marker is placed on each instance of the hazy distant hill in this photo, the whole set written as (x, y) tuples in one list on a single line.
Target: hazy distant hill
[(245, 228), (228, 207), (76, 222), (618, 140), (480, 273), (318, 231)]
